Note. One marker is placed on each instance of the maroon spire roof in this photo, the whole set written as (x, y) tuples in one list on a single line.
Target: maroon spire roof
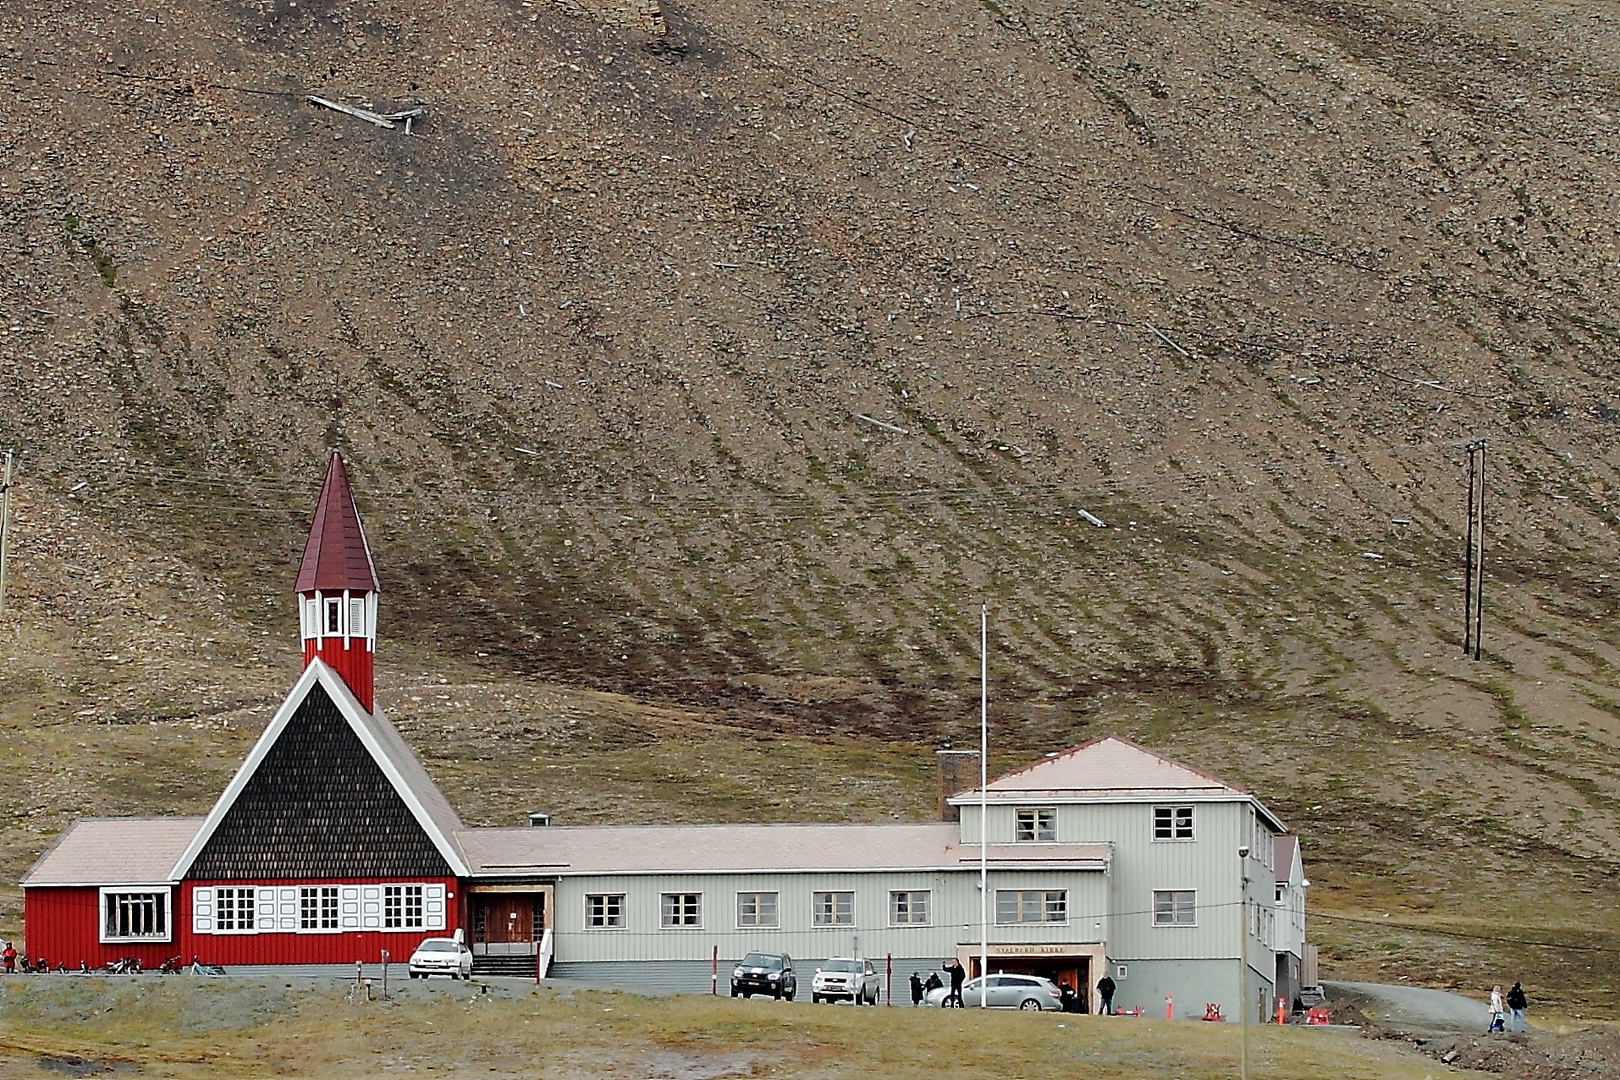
[(336, 556)]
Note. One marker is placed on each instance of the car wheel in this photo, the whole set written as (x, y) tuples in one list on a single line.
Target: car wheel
[(815, 999), (735, 991), (1030, 1003), (748, 994), (789, 994)]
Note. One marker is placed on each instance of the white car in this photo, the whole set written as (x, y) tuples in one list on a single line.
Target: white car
[(1005, 992), (441, 956), (843, 979)]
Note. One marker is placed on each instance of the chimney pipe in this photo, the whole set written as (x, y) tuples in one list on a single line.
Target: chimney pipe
[(958, 772)]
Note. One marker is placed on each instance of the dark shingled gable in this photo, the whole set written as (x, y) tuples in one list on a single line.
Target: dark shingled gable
[(318, 806)]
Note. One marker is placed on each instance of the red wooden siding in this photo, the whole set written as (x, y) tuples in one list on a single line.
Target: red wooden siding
[(64, 926), (354, 665)]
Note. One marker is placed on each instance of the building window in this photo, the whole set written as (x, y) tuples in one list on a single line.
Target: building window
[(832, 908), (756, 909), (402, 907), (135, 916), (683, 909), (604, 911), (1037, 826), (908, 908), (1175, 907), (334, 616), (1031, 906), (357, 617), (1172, 823), (318, 907), (234, 908)]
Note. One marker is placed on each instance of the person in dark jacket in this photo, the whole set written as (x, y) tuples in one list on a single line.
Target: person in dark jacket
[(1516, 1003), (916, 988), (954, 967), (934, 982), (1105, 990)]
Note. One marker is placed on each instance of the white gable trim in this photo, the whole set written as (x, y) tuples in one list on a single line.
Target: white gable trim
[(351, 709)]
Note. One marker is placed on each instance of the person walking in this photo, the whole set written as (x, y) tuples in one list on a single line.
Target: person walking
[(10, 958), (1105, 991), (1496, 1010), (954, 1000), (1516, 1003), (916, 988)]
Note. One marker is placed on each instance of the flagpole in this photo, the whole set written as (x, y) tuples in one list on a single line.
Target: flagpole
[(984, 804)]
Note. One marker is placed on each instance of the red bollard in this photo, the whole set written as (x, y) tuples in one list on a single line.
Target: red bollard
[(714, 974), (888, 967), (1282, 1012), (1169, 1007)]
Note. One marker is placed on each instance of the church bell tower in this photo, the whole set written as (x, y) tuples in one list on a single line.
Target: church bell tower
[(337, 588)]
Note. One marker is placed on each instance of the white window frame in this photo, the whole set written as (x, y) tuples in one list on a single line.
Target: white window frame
[(911, 912), (1176, 812), (680, 915), (758, 899), (1175, 908), (604, 903), (406, 905), (1046, 907), (244, 902), (834, 918), (320, 894), (165, 892), (1035, 815)]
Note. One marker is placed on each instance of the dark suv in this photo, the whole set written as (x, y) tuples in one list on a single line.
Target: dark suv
[(764, 973)]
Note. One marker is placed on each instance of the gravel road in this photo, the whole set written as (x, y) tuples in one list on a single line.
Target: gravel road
[(1412, 1008)]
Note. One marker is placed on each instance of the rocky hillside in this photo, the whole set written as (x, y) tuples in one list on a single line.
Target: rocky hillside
[(718, 362)]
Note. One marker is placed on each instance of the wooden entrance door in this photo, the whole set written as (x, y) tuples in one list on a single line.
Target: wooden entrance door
[(507, 924)]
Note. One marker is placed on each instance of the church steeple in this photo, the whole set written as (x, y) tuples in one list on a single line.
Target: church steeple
[(337, 587)]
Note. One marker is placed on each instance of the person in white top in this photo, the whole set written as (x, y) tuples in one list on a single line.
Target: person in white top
[(1496, 1010)]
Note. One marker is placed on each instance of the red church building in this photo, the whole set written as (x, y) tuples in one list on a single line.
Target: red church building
[(331, 843)]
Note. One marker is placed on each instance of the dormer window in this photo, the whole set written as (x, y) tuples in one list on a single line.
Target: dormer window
[(1036, 825)]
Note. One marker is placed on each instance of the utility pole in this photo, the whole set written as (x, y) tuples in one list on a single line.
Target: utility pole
[(1474, 559), (5, 530)]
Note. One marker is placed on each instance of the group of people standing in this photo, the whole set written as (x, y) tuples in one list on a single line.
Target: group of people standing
[(1516, 1003)]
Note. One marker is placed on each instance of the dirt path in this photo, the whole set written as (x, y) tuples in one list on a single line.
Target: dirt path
[(1412, 1008)]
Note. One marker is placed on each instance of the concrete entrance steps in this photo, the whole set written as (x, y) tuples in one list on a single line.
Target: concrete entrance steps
[(513, 966)]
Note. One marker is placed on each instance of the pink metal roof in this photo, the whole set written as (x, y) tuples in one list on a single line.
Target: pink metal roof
[(696, 849), (1109, 765), (336, 556), (1283, 848), (114, 851)]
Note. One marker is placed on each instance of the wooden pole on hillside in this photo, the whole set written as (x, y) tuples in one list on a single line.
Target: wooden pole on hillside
[(5, 530), (1479, 563), (1474, 558)]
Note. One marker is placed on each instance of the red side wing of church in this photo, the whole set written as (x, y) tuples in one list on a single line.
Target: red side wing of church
[(330, 845)]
